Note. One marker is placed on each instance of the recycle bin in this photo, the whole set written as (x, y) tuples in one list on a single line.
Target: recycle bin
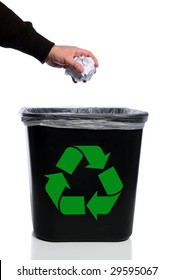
[(83, 171)]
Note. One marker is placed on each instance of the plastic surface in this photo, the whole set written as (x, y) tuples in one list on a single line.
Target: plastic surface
[(83, 171), (48, 147), (88, 118)]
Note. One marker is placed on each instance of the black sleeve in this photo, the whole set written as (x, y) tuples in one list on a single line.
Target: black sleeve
[(20, 35)]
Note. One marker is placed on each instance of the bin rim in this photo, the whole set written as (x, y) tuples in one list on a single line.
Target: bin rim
[(85, 117)]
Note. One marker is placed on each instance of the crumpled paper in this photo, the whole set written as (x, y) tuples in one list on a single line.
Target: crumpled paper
[(86, 75)]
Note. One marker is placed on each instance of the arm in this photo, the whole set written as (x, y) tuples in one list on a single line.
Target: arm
[(20, 35)]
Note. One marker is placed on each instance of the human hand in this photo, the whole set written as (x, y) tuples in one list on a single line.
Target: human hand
[(63, 57)]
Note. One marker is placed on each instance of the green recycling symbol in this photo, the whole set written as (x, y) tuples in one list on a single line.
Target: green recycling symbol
[(75, 205)]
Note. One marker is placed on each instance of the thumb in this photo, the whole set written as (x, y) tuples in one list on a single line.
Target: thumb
[(76, 65)]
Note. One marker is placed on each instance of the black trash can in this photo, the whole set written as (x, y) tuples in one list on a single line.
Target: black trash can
[(84, 168)]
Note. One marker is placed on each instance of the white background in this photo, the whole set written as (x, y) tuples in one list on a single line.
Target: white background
[(133, 41)]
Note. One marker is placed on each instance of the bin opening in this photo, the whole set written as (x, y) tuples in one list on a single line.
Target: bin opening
[(87, 118)]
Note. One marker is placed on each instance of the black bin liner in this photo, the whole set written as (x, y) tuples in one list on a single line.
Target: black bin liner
[(83, 171)]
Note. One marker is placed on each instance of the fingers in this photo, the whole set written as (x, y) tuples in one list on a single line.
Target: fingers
[(77, 66), (87, 53), (81, 52)]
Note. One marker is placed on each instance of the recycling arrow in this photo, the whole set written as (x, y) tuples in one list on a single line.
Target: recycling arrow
[(101, 204), (111, 181), (113, 186), (73, 155), (72, 205), (55, 186), (68, 204), (95, 156), (75, 205), (69, 160)]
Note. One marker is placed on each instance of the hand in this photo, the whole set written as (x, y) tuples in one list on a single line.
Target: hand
[(63, 57)]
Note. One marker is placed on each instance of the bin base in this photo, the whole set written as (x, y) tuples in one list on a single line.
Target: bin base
[(82, 239)]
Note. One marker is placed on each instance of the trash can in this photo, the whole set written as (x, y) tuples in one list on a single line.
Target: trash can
[(83, 171)]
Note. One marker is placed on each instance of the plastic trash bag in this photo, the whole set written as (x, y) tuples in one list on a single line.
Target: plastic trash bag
[(88, 118)]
